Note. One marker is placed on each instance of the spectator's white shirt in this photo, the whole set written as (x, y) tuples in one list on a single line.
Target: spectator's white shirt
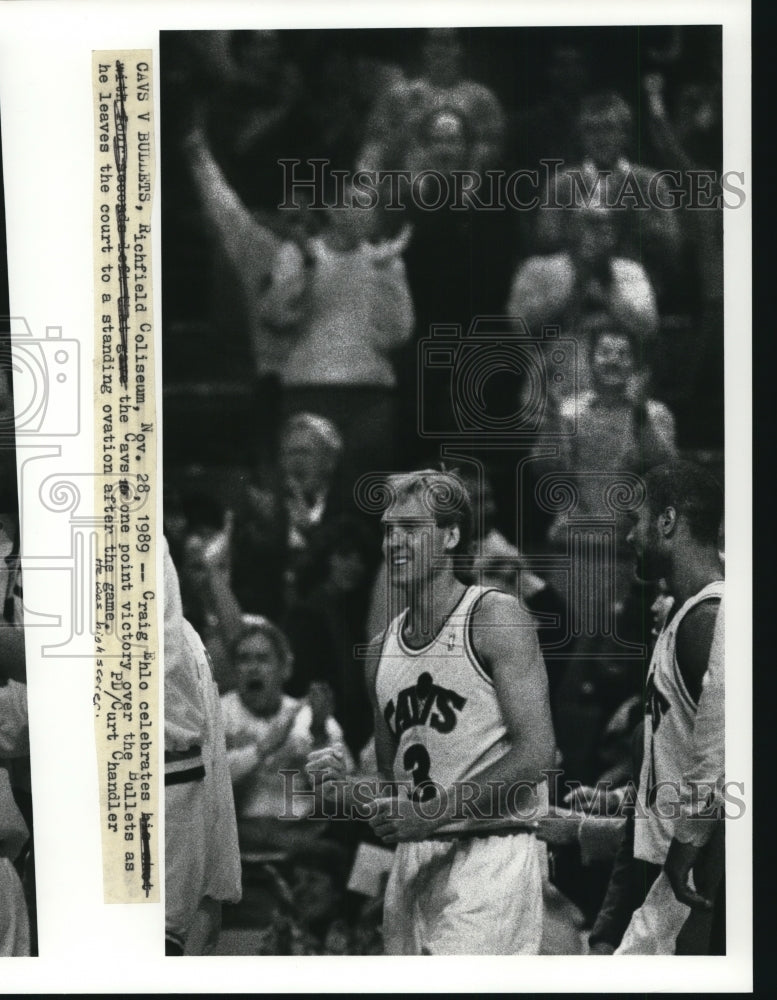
[(258, 748), (359, 309)]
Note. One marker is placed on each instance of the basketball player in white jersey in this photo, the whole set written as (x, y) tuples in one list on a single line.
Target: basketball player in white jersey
[(675, 535), (463, 726)]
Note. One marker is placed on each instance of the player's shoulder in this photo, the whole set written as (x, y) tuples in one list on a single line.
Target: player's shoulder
[(496, 607), (698, 622)]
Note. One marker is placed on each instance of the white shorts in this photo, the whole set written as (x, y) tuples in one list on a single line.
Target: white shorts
[(467, 896)]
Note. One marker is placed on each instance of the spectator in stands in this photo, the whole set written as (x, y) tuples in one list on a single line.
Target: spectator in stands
[(606, 132), (326, 627), (279, 511), (326, 313), (571, 287), (267, 731), (394, 133), (612, 427), (547, 128), (266, 255), (253, 93), (685, 129), (358, 312)]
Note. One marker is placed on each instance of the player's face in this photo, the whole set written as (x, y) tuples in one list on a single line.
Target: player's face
[(260, 682), (414, 546), (646, 543)]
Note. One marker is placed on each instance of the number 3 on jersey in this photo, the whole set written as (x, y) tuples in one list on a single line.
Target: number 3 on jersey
[(416, 761)]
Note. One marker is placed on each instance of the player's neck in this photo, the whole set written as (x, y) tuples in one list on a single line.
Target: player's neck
[(430, 607), (689, 576)]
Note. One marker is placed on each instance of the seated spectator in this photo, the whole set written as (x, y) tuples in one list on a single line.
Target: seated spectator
[(328, 624), (266, 730)]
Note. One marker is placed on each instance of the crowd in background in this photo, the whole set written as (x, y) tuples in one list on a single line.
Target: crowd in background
[(294, 366)]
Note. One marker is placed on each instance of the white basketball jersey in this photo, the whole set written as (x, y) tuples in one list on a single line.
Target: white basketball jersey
[(669, 723), (441, 707)]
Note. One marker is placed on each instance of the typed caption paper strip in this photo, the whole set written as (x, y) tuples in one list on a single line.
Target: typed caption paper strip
[(127, 721)]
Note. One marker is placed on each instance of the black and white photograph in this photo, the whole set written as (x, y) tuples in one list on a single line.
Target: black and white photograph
[(423, 338), (444, 472)]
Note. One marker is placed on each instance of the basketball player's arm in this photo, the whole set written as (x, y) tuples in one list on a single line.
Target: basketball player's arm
[(707, 768), (505, 640), (693, 645)]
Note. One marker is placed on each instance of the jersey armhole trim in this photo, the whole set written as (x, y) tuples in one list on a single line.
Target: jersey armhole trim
[(680, 680), (480, 668), (379, 662)]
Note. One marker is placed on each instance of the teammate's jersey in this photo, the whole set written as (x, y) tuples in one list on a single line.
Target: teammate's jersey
[(442, 709), (669, 724)]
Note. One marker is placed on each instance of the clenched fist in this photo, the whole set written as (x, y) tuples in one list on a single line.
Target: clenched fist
[(327, 767)]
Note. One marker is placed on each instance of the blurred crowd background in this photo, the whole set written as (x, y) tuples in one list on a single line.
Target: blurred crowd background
[(293, 366)]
